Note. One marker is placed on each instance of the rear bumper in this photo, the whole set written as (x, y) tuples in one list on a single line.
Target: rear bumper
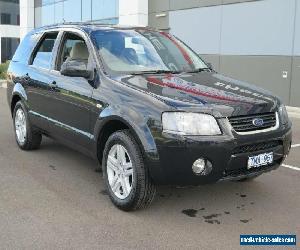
[(228, 153)]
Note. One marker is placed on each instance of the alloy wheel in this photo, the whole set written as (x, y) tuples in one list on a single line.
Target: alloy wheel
[(119, 171), (20, 126)]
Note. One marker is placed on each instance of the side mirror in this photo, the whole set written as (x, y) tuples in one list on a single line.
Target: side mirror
[(210, 66), (75, 68)]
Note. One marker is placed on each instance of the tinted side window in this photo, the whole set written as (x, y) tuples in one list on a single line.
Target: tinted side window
[(24, 50), (43, 54)]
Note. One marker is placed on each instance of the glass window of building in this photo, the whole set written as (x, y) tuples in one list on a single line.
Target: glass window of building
[(72, 10), (8, 47), (104, 9), (9, 12), (58, 11), (5, 18), (87, 11)]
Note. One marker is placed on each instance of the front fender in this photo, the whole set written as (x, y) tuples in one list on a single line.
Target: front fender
[(139, 127)]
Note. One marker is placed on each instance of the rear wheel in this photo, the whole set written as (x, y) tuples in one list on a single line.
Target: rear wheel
[(126, 176), (26, 137)]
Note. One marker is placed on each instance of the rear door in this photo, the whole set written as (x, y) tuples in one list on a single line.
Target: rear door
[(37, 80)]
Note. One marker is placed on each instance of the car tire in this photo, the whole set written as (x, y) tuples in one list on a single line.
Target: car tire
[(27, 138), (139, 190)]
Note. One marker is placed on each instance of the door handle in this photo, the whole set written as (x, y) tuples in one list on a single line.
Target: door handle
[(52, 85)]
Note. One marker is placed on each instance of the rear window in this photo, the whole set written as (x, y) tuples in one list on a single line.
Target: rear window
[(43, 54), (25, 48)]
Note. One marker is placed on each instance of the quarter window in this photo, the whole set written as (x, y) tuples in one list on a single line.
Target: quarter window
[(43, 54)]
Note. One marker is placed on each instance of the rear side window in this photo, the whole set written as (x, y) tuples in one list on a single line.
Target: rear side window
[(25, 48), (43, 54)]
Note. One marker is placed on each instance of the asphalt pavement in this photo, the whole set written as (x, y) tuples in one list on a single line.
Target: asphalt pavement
[(54, 198)]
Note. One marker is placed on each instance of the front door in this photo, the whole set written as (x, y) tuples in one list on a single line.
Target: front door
[(72, 96)]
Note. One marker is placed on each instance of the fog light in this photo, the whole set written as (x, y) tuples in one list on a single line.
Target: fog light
[(202, 167)]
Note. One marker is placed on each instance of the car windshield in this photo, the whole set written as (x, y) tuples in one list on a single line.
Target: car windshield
[(142, 50)]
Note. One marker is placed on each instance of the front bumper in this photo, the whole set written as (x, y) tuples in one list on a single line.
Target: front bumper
[(228, 153)]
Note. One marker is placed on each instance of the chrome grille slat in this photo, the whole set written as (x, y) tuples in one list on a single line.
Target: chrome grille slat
[(244, 123)]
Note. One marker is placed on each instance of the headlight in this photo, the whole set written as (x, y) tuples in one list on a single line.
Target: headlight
[(190, 123), (283, 114)]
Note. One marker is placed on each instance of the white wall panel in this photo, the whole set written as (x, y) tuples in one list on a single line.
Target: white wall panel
[(258, 28), (199, 28), (133, 12)]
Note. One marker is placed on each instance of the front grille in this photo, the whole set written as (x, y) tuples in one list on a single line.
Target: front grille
[(245, 123), (256, 147)]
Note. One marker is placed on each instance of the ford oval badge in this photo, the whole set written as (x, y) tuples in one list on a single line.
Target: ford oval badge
[(258, 122)]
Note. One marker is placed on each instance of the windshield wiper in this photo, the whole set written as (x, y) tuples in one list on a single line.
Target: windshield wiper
[(199, 70), (159, 71)]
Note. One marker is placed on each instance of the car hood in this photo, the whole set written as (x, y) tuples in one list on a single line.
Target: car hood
[(205, 92)]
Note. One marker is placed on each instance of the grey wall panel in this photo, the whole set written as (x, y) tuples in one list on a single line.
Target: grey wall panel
[(295, 86), (180, 4), (258, 28), (264, 71), (159, 22), (297, 30), (213, 59), (205, 3), (199, 28), (158, 5)]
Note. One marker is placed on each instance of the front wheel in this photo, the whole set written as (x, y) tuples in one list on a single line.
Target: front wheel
[(126, 176)]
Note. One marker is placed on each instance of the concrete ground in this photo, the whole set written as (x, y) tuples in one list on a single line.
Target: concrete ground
[(53, 198)]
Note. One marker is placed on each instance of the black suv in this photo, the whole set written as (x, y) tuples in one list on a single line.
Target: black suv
[(144, 105)]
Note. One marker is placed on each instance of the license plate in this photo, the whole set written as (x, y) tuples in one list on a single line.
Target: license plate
[(260, 160)]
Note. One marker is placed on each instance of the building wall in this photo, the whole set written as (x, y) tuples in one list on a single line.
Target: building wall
[(256, 41), (9, 33)]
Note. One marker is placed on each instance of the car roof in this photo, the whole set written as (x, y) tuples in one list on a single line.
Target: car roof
[(90, 26)]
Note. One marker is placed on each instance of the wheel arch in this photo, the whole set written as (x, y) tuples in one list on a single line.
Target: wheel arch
[(108, 125), (18, 94), (14, 100)]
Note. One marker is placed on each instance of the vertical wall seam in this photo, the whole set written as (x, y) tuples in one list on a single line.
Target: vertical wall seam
[(92, 10), (220, 39), (81, 10), (33, 18), (293, 50)]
